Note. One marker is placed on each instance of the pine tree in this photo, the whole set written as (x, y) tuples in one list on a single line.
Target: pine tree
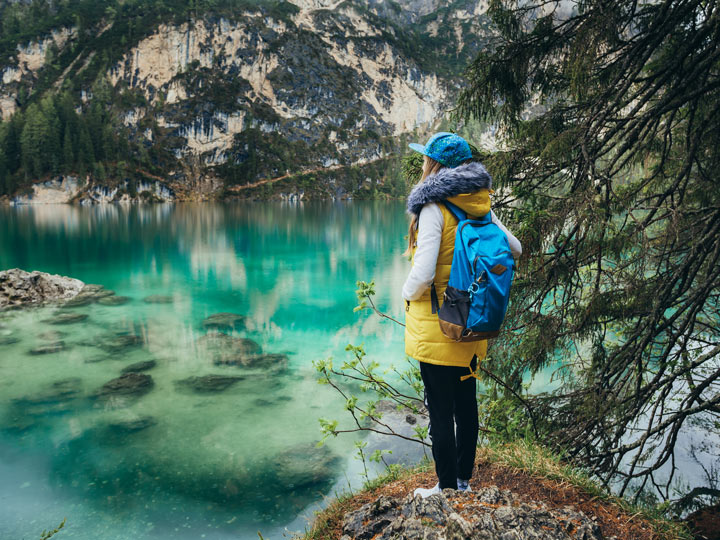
[(4, 175), (85, 152), (611, 116), (35, 134), (68, 152)]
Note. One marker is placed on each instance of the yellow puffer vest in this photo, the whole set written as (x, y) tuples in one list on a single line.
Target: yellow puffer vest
[(424, 341)]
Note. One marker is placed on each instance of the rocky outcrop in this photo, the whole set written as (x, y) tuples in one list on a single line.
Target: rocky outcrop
[(72, 189), (18, 288), (489, 514)]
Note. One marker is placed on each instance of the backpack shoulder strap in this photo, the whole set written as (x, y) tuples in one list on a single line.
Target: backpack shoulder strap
[(455, 211)]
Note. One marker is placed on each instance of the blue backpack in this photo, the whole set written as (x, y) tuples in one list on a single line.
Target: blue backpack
[(476, 298)]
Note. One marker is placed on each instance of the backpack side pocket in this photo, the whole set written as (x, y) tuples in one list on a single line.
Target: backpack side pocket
[(453, 314)]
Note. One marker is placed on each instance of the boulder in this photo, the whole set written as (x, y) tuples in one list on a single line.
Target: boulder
[(128, 384), (140, 366), (18, 287), (208, 383), (224, 321)]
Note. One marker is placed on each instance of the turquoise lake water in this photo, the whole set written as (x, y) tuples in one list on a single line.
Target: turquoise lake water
[(175, 462)]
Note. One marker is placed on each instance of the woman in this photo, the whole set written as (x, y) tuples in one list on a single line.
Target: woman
[(449, 174)]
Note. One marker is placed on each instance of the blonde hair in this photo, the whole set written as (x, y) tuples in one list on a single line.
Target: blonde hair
[(430, 167)]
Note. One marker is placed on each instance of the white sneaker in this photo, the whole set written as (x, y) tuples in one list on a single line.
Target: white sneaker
[(464, 485), (424, 493)]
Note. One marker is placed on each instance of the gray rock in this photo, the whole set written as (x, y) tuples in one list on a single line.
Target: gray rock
[(208, 383), (139, 366), (18, 287), (48, 348), (113, 300), (158, 299), (66, 318), (225, 321), (129, 384), (435, 518)]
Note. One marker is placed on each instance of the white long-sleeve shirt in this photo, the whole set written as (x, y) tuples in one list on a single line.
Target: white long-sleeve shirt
[(430, 226)]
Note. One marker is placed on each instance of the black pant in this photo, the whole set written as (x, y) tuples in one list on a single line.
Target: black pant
[(452, 406)]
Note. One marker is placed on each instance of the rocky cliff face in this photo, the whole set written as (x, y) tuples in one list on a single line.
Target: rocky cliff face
[(258, 92)]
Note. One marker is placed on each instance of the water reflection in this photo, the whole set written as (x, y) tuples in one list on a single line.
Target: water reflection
[(188, 443)]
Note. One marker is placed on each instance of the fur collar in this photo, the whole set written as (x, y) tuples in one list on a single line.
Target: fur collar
[(466, 178)]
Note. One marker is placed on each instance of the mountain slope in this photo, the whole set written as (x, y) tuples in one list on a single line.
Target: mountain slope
[(230, 93)]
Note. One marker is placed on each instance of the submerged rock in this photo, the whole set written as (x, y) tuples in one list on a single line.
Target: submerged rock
[(118, 343), (18, 287), (129, 384), (89, 294), (79, 301), (272, 362), (48, 348), (402, 421), (52, 335), (140, 366), (303, 465), (208, 383), (66, 318), (125, 427), (158, 299), (225, 321), (62, 390), (8, 340), (113, 300), (222, 348), (57, 398)]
